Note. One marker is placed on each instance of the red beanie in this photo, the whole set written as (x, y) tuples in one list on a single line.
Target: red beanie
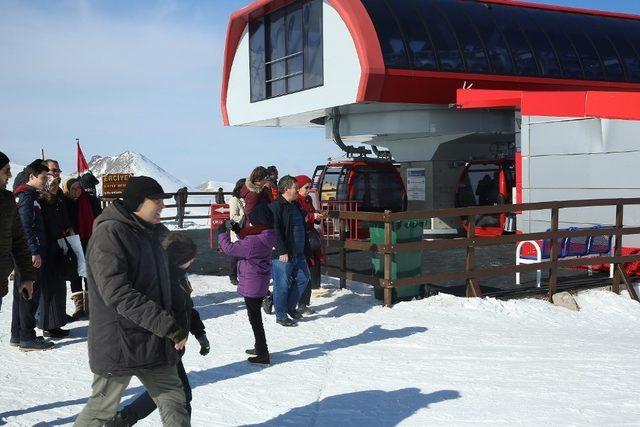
[(303, 180)]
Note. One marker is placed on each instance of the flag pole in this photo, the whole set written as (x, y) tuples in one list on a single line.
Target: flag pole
[(42, 153)]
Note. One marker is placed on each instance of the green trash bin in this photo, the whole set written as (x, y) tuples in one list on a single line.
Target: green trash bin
[(404, 264)]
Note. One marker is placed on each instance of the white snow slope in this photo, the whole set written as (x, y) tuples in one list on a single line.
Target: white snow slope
[(442, 361), (137, 164)]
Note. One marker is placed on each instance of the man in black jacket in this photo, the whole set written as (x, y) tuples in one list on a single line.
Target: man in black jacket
[(13, 245), (131, 330), (289, 265)]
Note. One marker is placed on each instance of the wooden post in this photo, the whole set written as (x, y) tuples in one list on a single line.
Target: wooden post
[(618, 269), (627, 281), (343, 253), (473, 289), (555, 246), (388, 260)]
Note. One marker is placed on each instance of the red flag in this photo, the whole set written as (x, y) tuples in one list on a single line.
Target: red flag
[(82, 162)]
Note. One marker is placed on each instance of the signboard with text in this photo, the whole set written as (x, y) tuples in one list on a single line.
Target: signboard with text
[(113, 184), (219, 214)]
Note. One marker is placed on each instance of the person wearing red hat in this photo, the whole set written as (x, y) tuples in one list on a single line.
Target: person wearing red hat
[(312, 217)]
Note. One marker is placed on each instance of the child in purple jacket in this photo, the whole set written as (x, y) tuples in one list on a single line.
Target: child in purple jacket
[(254, 270)]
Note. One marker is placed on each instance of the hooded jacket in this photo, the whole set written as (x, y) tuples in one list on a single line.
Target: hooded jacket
[(13, 245), (254, 196), (129, 295), (254, 266), (30, 210)]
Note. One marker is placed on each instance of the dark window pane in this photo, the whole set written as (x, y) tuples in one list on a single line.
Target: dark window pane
[(608, 56), (389, 34), (276, 35), (313, 73), (542, 49), (449, 56), (294, 29), (294, 65), (294, 84), (276, 70), (494, 42), (518, 44), (588, 55), (416, 36), (256, 60), (276, 88), (552, 25), (625, 35), (474, 54)]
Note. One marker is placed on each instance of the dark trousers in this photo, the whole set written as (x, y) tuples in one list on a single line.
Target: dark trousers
[(52, 301), (76, 285), (144, 405), (233, 267), (314, 281), (23, 316), (254, 311)]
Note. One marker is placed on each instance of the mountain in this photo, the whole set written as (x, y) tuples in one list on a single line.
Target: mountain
[(214, 185), (15, 170), (138, 165)]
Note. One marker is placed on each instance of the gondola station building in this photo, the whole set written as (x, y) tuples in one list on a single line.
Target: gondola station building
[(542, 102)]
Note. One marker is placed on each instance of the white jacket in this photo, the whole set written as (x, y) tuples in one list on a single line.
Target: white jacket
[(236, 213)]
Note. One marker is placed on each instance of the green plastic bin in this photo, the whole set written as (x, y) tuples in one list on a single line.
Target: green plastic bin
[(404, 264)]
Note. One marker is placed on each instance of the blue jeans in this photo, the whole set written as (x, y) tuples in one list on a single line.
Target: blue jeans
[(289, 282)]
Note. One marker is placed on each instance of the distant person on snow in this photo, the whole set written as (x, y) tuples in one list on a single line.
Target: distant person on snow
[(132, 331), (289, 265), (181, 252), (255, 191), (253, 249), (220, 196), (13, 245)]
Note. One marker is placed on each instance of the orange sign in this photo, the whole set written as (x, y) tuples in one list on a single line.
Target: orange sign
[(114, 183)]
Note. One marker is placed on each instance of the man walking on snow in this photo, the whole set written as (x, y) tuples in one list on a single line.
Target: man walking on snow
[(131, 330)]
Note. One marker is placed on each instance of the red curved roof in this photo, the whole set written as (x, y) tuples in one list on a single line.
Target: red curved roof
[(380, 84)]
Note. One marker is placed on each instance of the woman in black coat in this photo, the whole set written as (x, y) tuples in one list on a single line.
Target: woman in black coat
[(53, 295)]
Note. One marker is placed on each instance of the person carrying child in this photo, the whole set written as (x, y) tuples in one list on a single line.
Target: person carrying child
[(181, 252)]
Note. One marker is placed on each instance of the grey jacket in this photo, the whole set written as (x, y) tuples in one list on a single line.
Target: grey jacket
[(129, 295)]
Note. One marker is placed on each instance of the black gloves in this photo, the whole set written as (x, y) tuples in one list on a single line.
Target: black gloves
[(204, 344), (177, 334), (229, 225)]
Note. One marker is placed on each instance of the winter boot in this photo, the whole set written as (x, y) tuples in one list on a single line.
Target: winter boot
[(78, 303), (36, 344), (286, 322), (260, 359), (56, 333), (85, 303), (251, 351)]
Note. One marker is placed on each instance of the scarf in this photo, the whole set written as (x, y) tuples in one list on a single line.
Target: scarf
[(85, 217), (251, 230)]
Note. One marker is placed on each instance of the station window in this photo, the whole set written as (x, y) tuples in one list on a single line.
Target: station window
[(285, 50)]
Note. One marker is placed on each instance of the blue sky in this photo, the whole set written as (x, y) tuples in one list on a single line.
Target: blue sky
[(145, 76)]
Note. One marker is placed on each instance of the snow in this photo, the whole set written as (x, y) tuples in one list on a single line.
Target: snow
[(15, 170), (214, 185), (134, 163), (441, 361)]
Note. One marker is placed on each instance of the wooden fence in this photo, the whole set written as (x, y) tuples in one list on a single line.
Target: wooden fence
[(472, 273), (180, 205)]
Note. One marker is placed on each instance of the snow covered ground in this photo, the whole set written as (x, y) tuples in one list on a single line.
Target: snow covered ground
[(442, 361)]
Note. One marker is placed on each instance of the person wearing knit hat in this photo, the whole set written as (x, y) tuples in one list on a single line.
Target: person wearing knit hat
[(13, 245), (181, 252), (133, 330), (311, 218)]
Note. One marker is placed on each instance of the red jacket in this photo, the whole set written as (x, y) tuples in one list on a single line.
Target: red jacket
[(254, 196)]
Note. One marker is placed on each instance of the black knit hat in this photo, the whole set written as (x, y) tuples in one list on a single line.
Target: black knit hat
[(139, 188), (180, 248), (4, 160), (261, 215)]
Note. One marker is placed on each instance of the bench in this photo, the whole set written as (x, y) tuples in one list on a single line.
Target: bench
[(570, 247)]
